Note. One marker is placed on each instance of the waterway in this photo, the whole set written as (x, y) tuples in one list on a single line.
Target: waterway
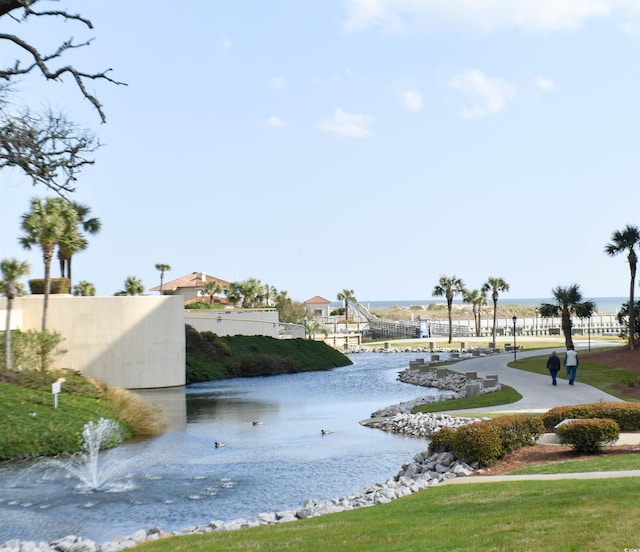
[(181, 479)]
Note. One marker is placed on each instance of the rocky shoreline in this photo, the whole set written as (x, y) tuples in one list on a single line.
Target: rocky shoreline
[(425, 470)]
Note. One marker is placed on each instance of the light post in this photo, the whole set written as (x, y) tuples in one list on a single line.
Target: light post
[(515, 348)]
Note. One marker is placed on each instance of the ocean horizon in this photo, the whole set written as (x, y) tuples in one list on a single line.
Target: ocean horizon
[(604, 305)]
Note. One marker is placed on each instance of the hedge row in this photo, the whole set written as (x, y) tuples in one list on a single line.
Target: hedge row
[(486, 442), (57, 286), (627, 414)]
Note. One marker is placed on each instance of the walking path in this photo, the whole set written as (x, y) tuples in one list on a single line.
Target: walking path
[(538, 395)]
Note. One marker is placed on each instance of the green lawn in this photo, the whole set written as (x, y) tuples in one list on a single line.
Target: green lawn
[(518, 516)]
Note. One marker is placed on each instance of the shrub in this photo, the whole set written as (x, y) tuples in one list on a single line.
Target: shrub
[(478, 442), (627, 414), (442, 440), (588, 435), (487, 442), (518, 431), (35, 350), (57, 286)]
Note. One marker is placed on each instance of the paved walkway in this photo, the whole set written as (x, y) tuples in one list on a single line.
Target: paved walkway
[(538, 395)]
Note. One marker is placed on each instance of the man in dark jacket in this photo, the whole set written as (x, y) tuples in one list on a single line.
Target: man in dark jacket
[(553, 365)]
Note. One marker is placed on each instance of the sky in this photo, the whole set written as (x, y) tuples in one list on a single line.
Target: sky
[(370, 145)]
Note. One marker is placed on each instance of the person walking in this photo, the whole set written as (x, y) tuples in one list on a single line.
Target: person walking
[(553, 365), (571, 362)]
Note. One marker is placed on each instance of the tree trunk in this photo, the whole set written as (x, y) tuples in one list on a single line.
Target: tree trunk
[(450, 322), (495, 318), (47, 255), (632, 307), (566, 327), (7, 337)]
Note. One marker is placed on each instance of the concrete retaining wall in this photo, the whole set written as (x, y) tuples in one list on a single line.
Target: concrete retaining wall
[(134, 342), (235, 322)]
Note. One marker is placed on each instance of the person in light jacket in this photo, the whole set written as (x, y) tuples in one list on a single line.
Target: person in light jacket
[(571, 362)]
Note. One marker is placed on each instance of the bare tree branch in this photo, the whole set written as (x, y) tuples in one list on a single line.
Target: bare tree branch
[(48, 148), (42, 61)]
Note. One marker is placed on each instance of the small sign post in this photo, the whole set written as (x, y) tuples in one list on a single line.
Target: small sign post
[(56, 387)]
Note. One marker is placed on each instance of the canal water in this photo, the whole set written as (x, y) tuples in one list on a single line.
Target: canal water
[(181, 479)]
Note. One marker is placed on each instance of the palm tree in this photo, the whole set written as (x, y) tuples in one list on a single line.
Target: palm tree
[(449, 288), (347, 295), (312, 327), (132, 286), (234, 293), (12, 269), (46, 224), (496, 286), (477, 298), (84, 289), (270, 292), (75, 240), (568, 302), (210, 288), (251, 291), (162, 267), (626, 240)]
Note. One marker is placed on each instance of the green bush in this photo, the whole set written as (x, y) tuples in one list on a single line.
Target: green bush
[(518, 431), (57, 286), (478, 442), (33, 350), (627, 414), (442, 440), (487, 442), (587, 436)]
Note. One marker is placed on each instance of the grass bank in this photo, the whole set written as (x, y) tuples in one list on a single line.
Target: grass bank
[(30, 425), (210, 357), (526, 515)]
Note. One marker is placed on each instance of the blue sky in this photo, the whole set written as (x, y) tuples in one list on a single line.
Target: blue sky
[(373, 145)]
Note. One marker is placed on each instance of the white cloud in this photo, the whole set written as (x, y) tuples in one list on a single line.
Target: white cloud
[(487, 95), (277, 82), (485, 15), (412, 100), (348, 124), (275, 121), (544, 84)]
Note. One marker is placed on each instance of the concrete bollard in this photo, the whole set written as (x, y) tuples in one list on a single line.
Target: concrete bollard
[(435, 358), (423, 368), (472, 389), (471, 376), (442, 373), (463, 345), (455, 355)]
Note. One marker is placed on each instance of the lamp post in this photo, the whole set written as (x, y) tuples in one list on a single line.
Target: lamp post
[(515, 348)]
